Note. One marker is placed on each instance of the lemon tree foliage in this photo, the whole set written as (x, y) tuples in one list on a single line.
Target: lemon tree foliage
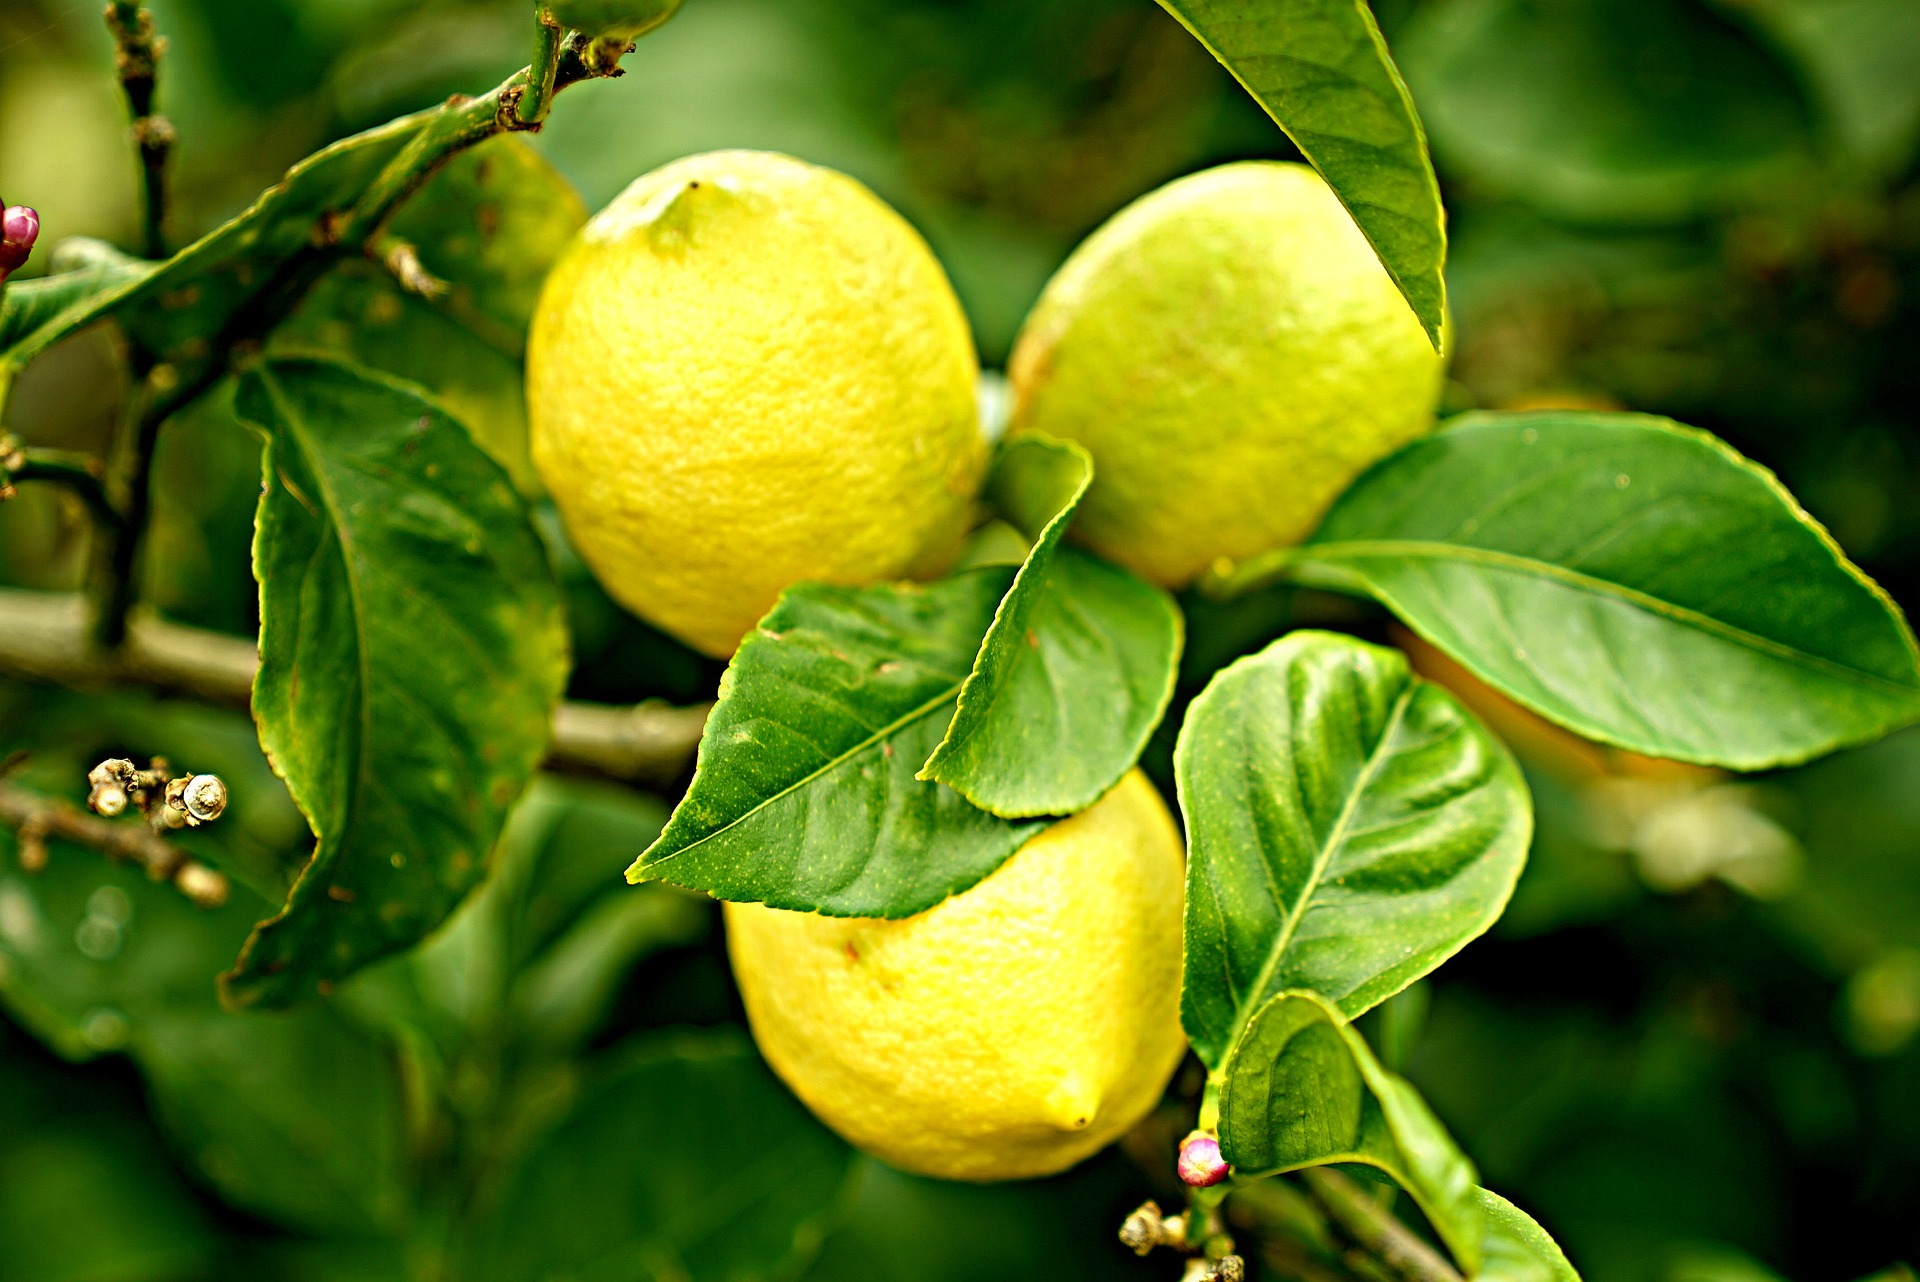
[(1349, 828), (486, 228), (1075, 670), (1515, 1248), (742, 1186), (1630, 578), (1302, 1088), (804, 794), (411, 651), (1321, 69), (259, 259)]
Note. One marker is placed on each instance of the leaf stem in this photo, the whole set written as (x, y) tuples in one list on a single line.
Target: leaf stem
[(1376, 1229), (137, 54)]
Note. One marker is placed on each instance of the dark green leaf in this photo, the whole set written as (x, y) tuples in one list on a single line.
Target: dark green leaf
[(488, 226), (682, 1158), (1515, 1249), (1349, 828), (412, 649), (1076, 669), (1322, 71), (1632, 579), (1620, 110), (1301, 1088), (804, 795), (296, 1117)]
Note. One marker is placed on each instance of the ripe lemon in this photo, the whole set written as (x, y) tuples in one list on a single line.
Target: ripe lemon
[(1232, 354), (1008, 1032), (745, 372)]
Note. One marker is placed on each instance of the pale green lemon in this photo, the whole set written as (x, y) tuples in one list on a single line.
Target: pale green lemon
[(748, 371), (1231, 352), (1011, 1030)]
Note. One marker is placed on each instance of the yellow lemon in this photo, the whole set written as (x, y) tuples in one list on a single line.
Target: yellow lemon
[(1011, 1030), (745, 372), (1232, 354)]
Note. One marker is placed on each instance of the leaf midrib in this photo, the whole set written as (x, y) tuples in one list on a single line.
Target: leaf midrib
[(832, 763), (1411, 549), (1336, 837)]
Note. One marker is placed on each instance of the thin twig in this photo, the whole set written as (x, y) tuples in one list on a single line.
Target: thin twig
[(77, 471), (44, 637), (1376, 1229), (534, 101), (35, 818), (137, 54)]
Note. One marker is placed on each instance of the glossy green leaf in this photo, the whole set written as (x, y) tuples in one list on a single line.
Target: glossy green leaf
[(412, 648), (173, 306), (488, 225), (1322, 71), (1515, 1249), (1301, 1088), (1349, 828), (1632, 579), (682, 1158), (804, 795), (1613, 110), (1077, 667), (1860, 57)]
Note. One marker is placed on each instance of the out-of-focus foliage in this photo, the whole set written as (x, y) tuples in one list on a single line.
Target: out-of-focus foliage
[(1692, 1047)]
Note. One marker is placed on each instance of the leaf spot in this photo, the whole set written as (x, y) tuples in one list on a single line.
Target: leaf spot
[(1621, 481), (340, 894)]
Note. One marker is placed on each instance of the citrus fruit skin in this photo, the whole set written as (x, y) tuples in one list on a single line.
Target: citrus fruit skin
[(1011, 1030), (745, 372), (1231, 352)]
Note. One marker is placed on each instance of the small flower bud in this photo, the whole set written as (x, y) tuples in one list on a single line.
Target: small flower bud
[(1200, 1162), (201, 884), (203, 797), (108, 799), (19, 228)]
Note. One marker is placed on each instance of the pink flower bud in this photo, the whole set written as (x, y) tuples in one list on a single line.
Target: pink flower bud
[(1200, 1162), (19, 228)]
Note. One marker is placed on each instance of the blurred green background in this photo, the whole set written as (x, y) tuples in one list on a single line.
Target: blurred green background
[(1693, 1047)]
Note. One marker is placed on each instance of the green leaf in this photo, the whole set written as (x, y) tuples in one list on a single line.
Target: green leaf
[(682, 1158), (86, 274), (1632, 579), (295, 1117), (1301, 1088), (173, 306), (804, 795), (488, 225), (1515, 1249), (411, 651), (1349, 828), (1322, 71), (1076, 669), (1614, 110)]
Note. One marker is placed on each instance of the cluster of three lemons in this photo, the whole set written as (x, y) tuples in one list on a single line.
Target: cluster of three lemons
[(750, 372)]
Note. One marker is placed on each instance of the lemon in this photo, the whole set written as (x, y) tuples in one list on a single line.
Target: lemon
[(1011, 1030), (1232, 354), (747, 371)]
